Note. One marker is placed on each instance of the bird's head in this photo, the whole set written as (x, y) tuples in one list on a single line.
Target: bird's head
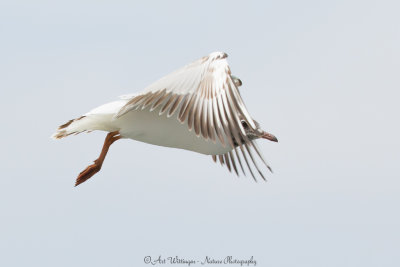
[(257, 132)]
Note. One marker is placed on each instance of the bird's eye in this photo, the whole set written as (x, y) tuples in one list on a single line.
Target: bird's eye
[(245, 125)]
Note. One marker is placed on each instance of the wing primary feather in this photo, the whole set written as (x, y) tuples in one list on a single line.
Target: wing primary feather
[(210, 121), (203, 120), (135, 100), (217, 122), (198, 108), (197, 115), (151, 99), (235, 108), (255, 146), (232, 157), (168, 103), (188, 112), (139, 103), (156, 103), (162, 101), (192, 110), (242, 107), (247, 162), (254, 161), (240, 161), (204, 109), (175, 105), (183, 108), (221, 112), (231, 123), (129, 105), (227, 161), (221, 159)]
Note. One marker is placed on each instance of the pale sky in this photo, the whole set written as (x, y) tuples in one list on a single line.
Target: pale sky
[(323, 76)]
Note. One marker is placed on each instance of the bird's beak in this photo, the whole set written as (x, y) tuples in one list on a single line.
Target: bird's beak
[(269, 136)]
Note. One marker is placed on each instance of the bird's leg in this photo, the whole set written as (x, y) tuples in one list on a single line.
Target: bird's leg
[(95, 168)]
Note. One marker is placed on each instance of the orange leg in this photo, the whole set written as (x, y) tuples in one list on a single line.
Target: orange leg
[(95, 168)]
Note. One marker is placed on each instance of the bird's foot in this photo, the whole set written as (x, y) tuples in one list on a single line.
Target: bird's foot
[(87, 173)]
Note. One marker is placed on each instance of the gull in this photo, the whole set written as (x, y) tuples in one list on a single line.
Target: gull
[(197, 108)]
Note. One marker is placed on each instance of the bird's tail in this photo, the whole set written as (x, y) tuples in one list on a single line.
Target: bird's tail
[(100, 118), (68, 128)]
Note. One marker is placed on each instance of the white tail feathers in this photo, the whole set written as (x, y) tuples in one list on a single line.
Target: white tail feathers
[(68, 128), (100, 118)]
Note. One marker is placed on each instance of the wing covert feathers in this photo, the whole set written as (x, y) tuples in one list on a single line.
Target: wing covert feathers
[(205, 96)]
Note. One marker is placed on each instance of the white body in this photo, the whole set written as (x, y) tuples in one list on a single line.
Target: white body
[(197, 108), (146, 126)]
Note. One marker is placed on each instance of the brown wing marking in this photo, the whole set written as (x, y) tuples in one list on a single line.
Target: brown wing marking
[(254, 162), (227, 161), (240, 161), (232, 157)]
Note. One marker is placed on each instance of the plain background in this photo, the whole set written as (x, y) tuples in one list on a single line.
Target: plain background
[(323, 76)]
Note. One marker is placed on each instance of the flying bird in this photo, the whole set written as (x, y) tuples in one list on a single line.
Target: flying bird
[(197, 108)]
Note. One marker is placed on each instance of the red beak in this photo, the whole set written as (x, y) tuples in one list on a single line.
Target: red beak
[(269, 136)]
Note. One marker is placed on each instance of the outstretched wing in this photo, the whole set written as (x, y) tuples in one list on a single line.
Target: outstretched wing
[(231, 158), (203, 94)]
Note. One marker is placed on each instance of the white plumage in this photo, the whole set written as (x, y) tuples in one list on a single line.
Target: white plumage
[(197, 108)]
